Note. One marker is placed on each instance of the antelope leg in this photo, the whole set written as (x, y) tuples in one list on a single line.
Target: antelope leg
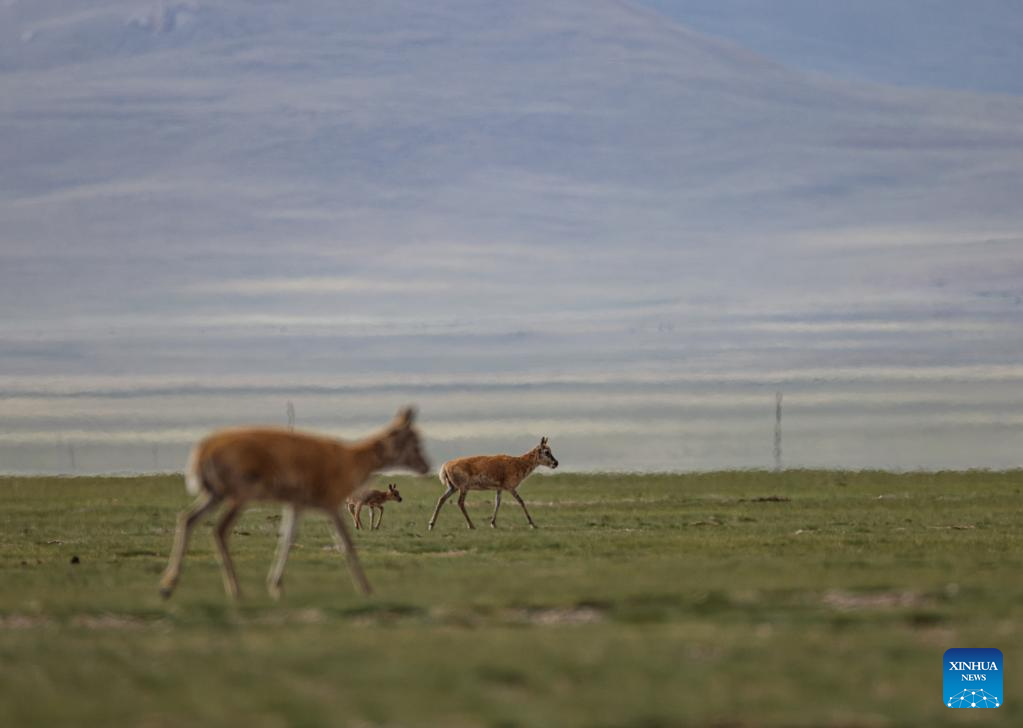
[(186, 522)]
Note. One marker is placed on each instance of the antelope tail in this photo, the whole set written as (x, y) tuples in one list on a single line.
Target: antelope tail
[(193, 479), (200, 474)]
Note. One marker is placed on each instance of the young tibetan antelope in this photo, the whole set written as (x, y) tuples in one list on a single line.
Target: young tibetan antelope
[(374, 500), (491, 472), (234, 467)]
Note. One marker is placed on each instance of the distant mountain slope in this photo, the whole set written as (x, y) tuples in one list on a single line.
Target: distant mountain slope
[(167, 146), (541, 121)]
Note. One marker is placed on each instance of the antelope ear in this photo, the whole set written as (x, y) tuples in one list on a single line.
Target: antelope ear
[(405, 417), (543, 440)]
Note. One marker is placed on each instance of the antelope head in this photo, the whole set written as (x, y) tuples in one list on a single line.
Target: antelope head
[(392, 492), (401, 444), (544, 455)]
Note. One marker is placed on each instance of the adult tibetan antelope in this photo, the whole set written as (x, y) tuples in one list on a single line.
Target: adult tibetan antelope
[(491, 472), (234, 467)]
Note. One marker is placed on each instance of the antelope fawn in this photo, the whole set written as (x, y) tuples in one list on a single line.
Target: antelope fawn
[(234, 467), (491, 472), (374, 500)]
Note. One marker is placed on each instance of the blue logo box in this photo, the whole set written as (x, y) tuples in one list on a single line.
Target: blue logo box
[(973, 678)]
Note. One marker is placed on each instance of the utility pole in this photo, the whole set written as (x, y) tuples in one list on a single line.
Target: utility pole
[(777, 430)]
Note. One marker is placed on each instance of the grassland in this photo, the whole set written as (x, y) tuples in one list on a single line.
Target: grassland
[(729, 599)]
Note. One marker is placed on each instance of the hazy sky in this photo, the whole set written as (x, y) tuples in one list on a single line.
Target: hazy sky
[(973, 46), (589, 220)]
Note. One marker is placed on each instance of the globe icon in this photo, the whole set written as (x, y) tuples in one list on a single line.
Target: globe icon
[(973, 699)]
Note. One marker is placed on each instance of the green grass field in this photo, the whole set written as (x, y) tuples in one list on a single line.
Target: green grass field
[(725, 599)]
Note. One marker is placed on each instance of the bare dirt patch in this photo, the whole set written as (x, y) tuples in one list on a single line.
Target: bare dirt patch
[(441, 554), (84, 621), (556, 616), (24, 621), (531, 616), (851, 601), (586, 503), (298, 616), (109, 621)]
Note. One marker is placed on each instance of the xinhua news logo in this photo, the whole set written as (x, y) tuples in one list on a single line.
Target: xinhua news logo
[(973, 678)]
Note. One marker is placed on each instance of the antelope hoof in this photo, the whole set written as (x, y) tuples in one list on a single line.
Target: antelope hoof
[(471, 527), (275, 591), (493, 525), (532, 525), (429, 526), (167, 587)]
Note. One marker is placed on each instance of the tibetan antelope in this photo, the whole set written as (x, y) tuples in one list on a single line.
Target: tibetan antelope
[(491, 472), (234, 467), (374, 500)]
